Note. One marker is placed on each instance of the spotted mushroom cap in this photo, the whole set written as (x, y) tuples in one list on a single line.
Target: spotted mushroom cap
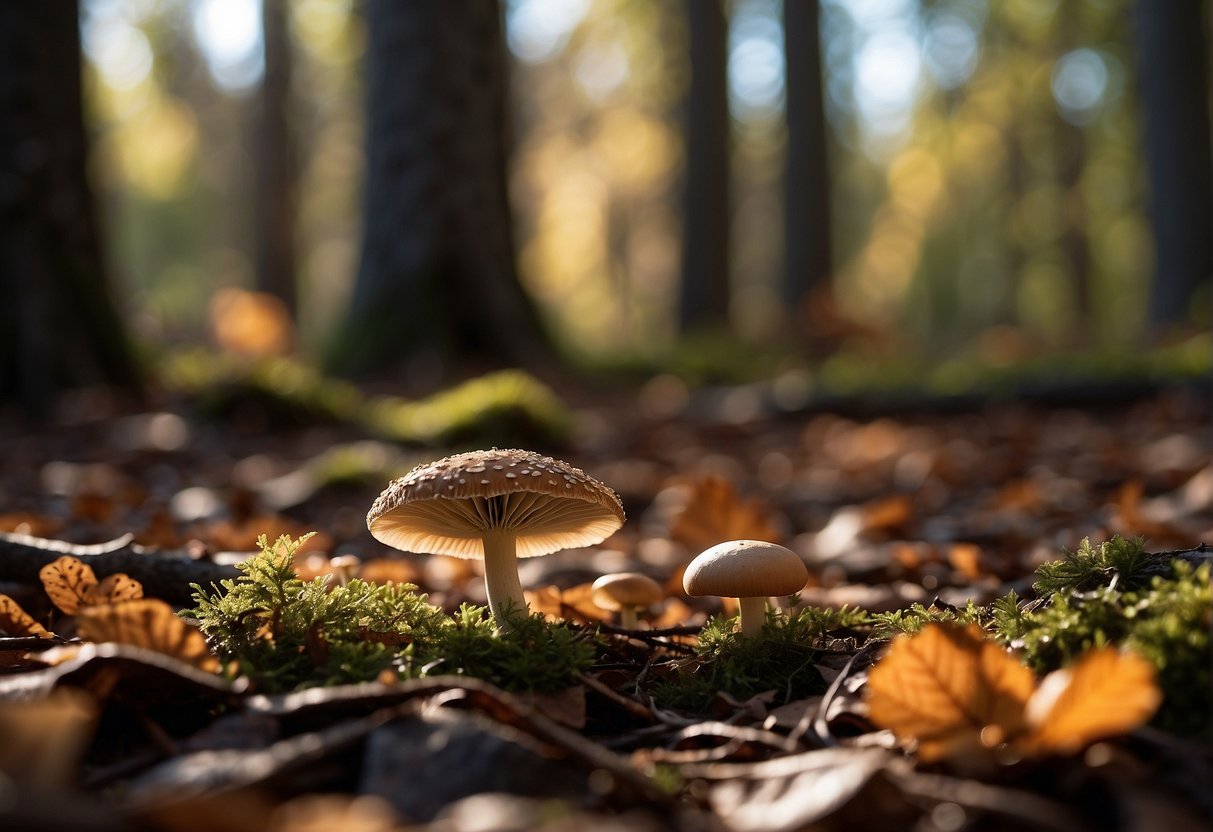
[(745, 569), (444, 507)]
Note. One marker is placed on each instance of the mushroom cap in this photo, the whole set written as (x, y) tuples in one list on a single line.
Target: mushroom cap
[(625, 589), (745, 569), (446, 507)]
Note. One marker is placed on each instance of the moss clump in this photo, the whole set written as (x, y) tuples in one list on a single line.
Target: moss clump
[(506, 407), (783, 659), (536, 655), (1166, 618), (284, 633)]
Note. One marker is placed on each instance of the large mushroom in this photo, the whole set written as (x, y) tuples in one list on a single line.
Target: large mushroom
[(750, 571), (496, 505)]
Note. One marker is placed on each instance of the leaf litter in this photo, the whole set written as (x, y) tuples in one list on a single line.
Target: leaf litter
[(931, 516)]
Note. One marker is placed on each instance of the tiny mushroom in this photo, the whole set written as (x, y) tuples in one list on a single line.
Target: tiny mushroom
[(497, 505), (750, 571), (626, 593), (345, 568)]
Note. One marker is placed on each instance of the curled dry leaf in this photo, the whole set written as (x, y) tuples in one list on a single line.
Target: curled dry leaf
[(150, 624), (714, 513), (1104, 693), (956, 692), (951, 689), (17, 622), (72, 584), (66, 581)]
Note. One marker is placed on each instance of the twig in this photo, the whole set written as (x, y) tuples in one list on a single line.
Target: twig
[(630, 705)]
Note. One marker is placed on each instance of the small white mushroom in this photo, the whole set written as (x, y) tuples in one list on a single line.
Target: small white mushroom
[(467, 506), (626, 593), (750, 571)]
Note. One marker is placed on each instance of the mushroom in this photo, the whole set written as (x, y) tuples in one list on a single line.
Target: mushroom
[(345, 568), (497, 505), (626, 593), (750, 571)]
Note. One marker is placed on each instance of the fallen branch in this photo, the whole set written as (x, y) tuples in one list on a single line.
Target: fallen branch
[(164, 574)]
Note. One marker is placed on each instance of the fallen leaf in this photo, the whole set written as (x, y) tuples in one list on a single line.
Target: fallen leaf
[(45, 738), (950, 689), (965, 558), (147, 623), (17, 622), (715, 513), (113, 590), (1104, 693), (67, 580)]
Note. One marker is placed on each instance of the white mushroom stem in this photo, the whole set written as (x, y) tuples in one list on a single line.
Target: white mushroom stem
[(753, 615), (501, 583), (628, 618)]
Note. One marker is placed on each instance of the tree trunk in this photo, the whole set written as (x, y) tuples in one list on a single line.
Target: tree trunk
[(1174, 72), (58, 324), (276, 169), (704, 297), (807, 254), (437, 279)]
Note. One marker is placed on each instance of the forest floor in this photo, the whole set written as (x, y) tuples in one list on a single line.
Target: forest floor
[(948, 506)]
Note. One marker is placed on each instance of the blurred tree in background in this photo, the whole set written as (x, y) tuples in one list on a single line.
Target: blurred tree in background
[(436, 280), (887, 180), (58, 326)]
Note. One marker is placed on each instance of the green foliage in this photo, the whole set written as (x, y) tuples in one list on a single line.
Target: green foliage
[(286, 390), (536, 655), (502, 408), (1167, 620), (285, 633), (783, 659), (917, 616), (1117, 561), (506, 407)]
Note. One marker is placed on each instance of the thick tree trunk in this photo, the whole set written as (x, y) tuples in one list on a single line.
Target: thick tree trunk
[(807, 252), (58, 324), (1174, 72), (276, 168), (437, 278), (704, 298)]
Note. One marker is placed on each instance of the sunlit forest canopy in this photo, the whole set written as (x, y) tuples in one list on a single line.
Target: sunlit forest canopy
[(988, 189)]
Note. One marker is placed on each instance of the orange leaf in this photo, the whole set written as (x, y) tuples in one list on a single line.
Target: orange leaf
[(1104, 693), (17, 622), (714, 513), (150, 624), (67, 580), (114, 589), (950, 689)]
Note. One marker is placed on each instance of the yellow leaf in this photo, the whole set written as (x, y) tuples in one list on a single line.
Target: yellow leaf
[(714, 513), (150, 624), (66, 581), (17, 622), (1104, 693), (950, 689)]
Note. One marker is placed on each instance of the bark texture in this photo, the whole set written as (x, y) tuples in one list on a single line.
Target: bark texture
[(59, 327), (437, 278)]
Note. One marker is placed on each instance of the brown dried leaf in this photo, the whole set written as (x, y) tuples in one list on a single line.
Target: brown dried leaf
[(951, 689), (715, 513), (45, 738), (147, 623), (113, 590), (17, 622), (572, 604), (67, 581), (1104, 693)]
